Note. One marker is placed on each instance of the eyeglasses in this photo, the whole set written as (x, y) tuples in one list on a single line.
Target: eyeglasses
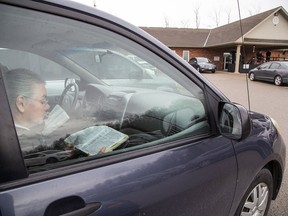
[(43, 101)]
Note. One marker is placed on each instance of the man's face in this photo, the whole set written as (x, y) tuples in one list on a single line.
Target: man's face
[(36, 107)]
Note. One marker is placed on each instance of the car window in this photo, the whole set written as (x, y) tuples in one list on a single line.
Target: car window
[(48, 69), (264, 65), (284, 65), (95, 100), (275, 66)]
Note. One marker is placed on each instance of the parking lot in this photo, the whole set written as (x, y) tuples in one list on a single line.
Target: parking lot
[(265, 98)]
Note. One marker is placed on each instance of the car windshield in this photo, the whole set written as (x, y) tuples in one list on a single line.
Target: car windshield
[(202, 60)]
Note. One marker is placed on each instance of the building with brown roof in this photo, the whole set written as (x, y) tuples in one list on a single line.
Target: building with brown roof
[(226, 46)]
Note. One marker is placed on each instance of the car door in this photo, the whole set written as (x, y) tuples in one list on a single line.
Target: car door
[(263, 71), (175, 163), (272, 71)]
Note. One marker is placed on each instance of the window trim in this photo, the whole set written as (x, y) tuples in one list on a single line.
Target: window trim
[(13, 167)]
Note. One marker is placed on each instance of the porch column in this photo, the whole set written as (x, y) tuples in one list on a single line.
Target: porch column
[(237, 60)]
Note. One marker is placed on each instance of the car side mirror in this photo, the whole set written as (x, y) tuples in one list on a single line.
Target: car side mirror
[(97, 58), (234, 121)]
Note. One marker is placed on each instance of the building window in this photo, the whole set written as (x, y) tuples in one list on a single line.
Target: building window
[(185, 55)]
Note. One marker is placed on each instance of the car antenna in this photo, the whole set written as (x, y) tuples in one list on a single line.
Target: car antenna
[(244, 54)]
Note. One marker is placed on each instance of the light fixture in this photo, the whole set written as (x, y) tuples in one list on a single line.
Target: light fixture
[(275, 19)]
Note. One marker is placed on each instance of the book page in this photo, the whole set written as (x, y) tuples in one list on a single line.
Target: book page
[(56, 118), (92, 139)]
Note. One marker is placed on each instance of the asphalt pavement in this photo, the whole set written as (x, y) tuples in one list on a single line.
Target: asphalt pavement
[(264, 98)]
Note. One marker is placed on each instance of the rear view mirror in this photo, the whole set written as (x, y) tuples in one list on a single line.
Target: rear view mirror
[(97, 58), (234, 121)]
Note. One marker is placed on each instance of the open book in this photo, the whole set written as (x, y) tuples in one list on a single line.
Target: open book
[(92, 139), (56, 118)]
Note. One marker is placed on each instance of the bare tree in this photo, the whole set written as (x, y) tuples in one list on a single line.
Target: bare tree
[(216, 16), (166, 20), (228, 13), (185, 23), (197, 15), (250, 12), (255, 10)]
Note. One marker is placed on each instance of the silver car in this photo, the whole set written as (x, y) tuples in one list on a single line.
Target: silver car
[(203, 64), (45, 157)]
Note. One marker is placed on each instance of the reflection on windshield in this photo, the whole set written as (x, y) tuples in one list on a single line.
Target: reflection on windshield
[(121, 69), (108, 64)]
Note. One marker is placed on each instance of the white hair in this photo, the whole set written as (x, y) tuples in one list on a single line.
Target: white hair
[(20, 82)]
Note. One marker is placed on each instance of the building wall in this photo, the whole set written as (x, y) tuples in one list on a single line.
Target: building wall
[(215, 55), (269, 31), (219, 52), (276, 55)]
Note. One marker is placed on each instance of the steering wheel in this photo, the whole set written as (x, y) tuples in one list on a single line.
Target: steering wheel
[(69, 97)]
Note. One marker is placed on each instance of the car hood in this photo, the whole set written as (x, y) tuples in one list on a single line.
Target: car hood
[(265, 127), (206, 63)]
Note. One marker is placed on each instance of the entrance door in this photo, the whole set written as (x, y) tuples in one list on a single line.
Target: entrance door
[(227, 60)]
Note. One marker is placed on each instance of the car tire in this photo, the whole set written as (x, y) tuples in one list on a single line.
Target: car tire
[(278, 80), (257, 198), (213, 71), (252, 76)]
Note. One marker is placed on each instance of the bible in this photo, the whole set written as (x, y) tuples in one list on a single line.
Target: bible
[(92, 139)]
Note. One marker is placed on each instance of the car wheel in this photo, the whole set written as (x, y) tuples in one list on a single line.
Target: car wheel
[(252, 76), (51, 160), (278, 80), (213, 71), (257, 198)]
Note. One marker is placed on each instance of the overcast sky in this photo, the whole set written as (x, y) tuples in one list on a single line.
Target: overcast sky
[(181, 13)]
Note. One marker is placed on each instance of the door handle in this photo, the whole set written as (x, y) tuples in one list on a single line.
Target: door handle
[(71, 206), (88, 209)]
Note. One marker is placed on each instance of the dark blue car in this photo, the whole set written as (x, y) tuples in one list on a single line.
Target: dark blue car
[(155, 142), (275, 72)]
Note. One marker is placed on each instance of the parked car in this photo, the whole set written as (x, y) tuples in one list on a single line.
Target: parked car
[(202, 64), (45, 157), (188, 150), (273, 71)]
